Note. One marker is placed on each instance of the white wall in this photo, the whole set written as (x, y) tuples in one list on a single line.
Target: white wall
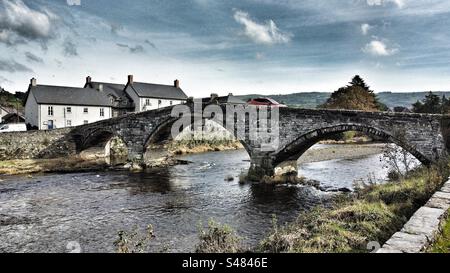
[(134, 97), (2, 113), (154, 103), (31, 111), (77, 116)]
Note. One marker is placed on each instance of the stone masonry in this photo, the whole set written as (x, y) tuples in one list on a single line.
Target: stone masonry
[(424, 226), (36, 144)]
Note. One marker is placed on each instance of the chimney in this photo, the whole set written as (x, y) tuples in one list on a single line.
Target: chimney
[(176, 83), (33, 82), (100, 87), (230, 95), (88, 79), (130, 79), (214, 96)]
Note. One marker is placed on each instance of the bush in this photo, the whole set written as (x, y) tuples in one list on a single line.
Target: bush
[(133, 242), (218, 239)]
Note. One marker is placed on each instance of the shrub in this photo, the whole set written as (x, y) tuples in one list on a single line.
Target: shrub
[(218, 239), (133, 242)]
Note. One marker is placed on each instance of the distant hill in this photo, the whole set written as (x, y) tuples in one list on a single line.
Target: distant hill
[(8, 99), (313, 99)]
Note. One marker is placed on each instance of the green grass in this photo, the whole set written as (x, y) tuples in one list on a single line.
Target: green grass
[(442, 245), (374, 214)]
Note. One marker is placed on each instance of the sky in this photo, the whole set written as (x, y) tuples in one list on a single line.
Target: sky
[(229, 46)]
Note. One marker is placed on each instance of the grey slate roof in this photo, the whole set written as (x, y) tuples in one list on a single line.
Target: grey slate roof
[(47, 94), (151, 90), (230, 99), (115, 90)]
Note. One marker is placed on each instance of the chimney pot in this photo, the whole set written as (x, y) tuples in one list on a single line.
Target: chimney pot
[(176, 83), (230, 94), (33, 82), (130, 79)]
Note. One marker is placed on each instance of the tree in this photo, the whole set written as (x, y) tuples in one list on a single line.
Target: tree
[(398, 161), (432, 104), (358, 81), (356, 96)]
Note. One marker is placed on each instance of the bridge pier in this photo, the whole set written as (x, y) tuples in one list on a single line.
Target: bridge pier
[(263, 165), (135, 154)]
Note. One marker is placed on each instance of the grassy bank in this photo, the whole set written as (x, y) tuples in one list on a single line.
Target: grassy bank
[(442, 245), (350, 137), (373, 214), (192, 146), (71, 164)]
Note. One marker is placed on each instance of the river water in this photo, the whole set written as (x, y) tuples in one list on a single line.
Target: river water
[(45, 213)]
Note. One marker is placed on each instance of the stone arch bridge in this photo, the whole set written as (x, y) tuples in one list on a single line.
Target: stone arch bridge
[(293, 131)]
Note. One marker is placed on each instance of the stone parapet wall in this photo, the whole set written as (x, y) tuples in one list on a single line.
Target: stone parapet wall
[(36, 144)]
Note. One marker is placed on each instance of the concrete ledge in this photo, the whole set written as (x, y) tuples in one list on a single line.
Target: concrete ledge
[(424, 226)]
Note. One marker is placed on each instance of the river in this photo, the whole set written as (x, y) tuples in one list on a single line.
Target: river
[(45, 213)]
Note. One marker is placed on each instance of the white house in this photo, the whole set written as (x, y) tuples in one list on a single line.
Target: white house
[(149, 96), (50, 107), (122, 102), (4, 111)]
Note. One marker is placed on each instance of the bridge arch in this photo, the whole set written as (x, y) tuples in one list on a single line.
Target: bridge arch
[(294, 150), (100, 142), (163, 133)]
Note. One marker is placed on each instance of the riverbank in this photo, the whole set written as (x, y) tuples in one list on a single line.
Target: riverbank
[(341, 151), (373, 214), (195, 147), (69, 164)]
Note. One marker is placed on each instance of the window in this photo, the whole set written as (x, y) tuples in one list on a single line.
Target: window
[(69, 109), (159, 102), (86, 110), (85, 122), (171, 103), (147, 102), (50, 110), (102, 112), (68, 123)]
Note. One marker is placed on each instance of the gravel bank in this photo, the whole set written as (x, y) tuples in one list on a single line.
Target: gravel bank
[(347, 151)]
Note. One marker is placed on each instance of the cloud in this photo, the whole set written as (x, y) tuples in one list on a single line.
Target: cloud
[(150, 44), (33, 58), (13, 66), (19, 23), (5, 80), (116, 28), (59, 63), (379, 48), (267, 33), (398, 3), (69, 48), (135, 50), (365, 28)]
